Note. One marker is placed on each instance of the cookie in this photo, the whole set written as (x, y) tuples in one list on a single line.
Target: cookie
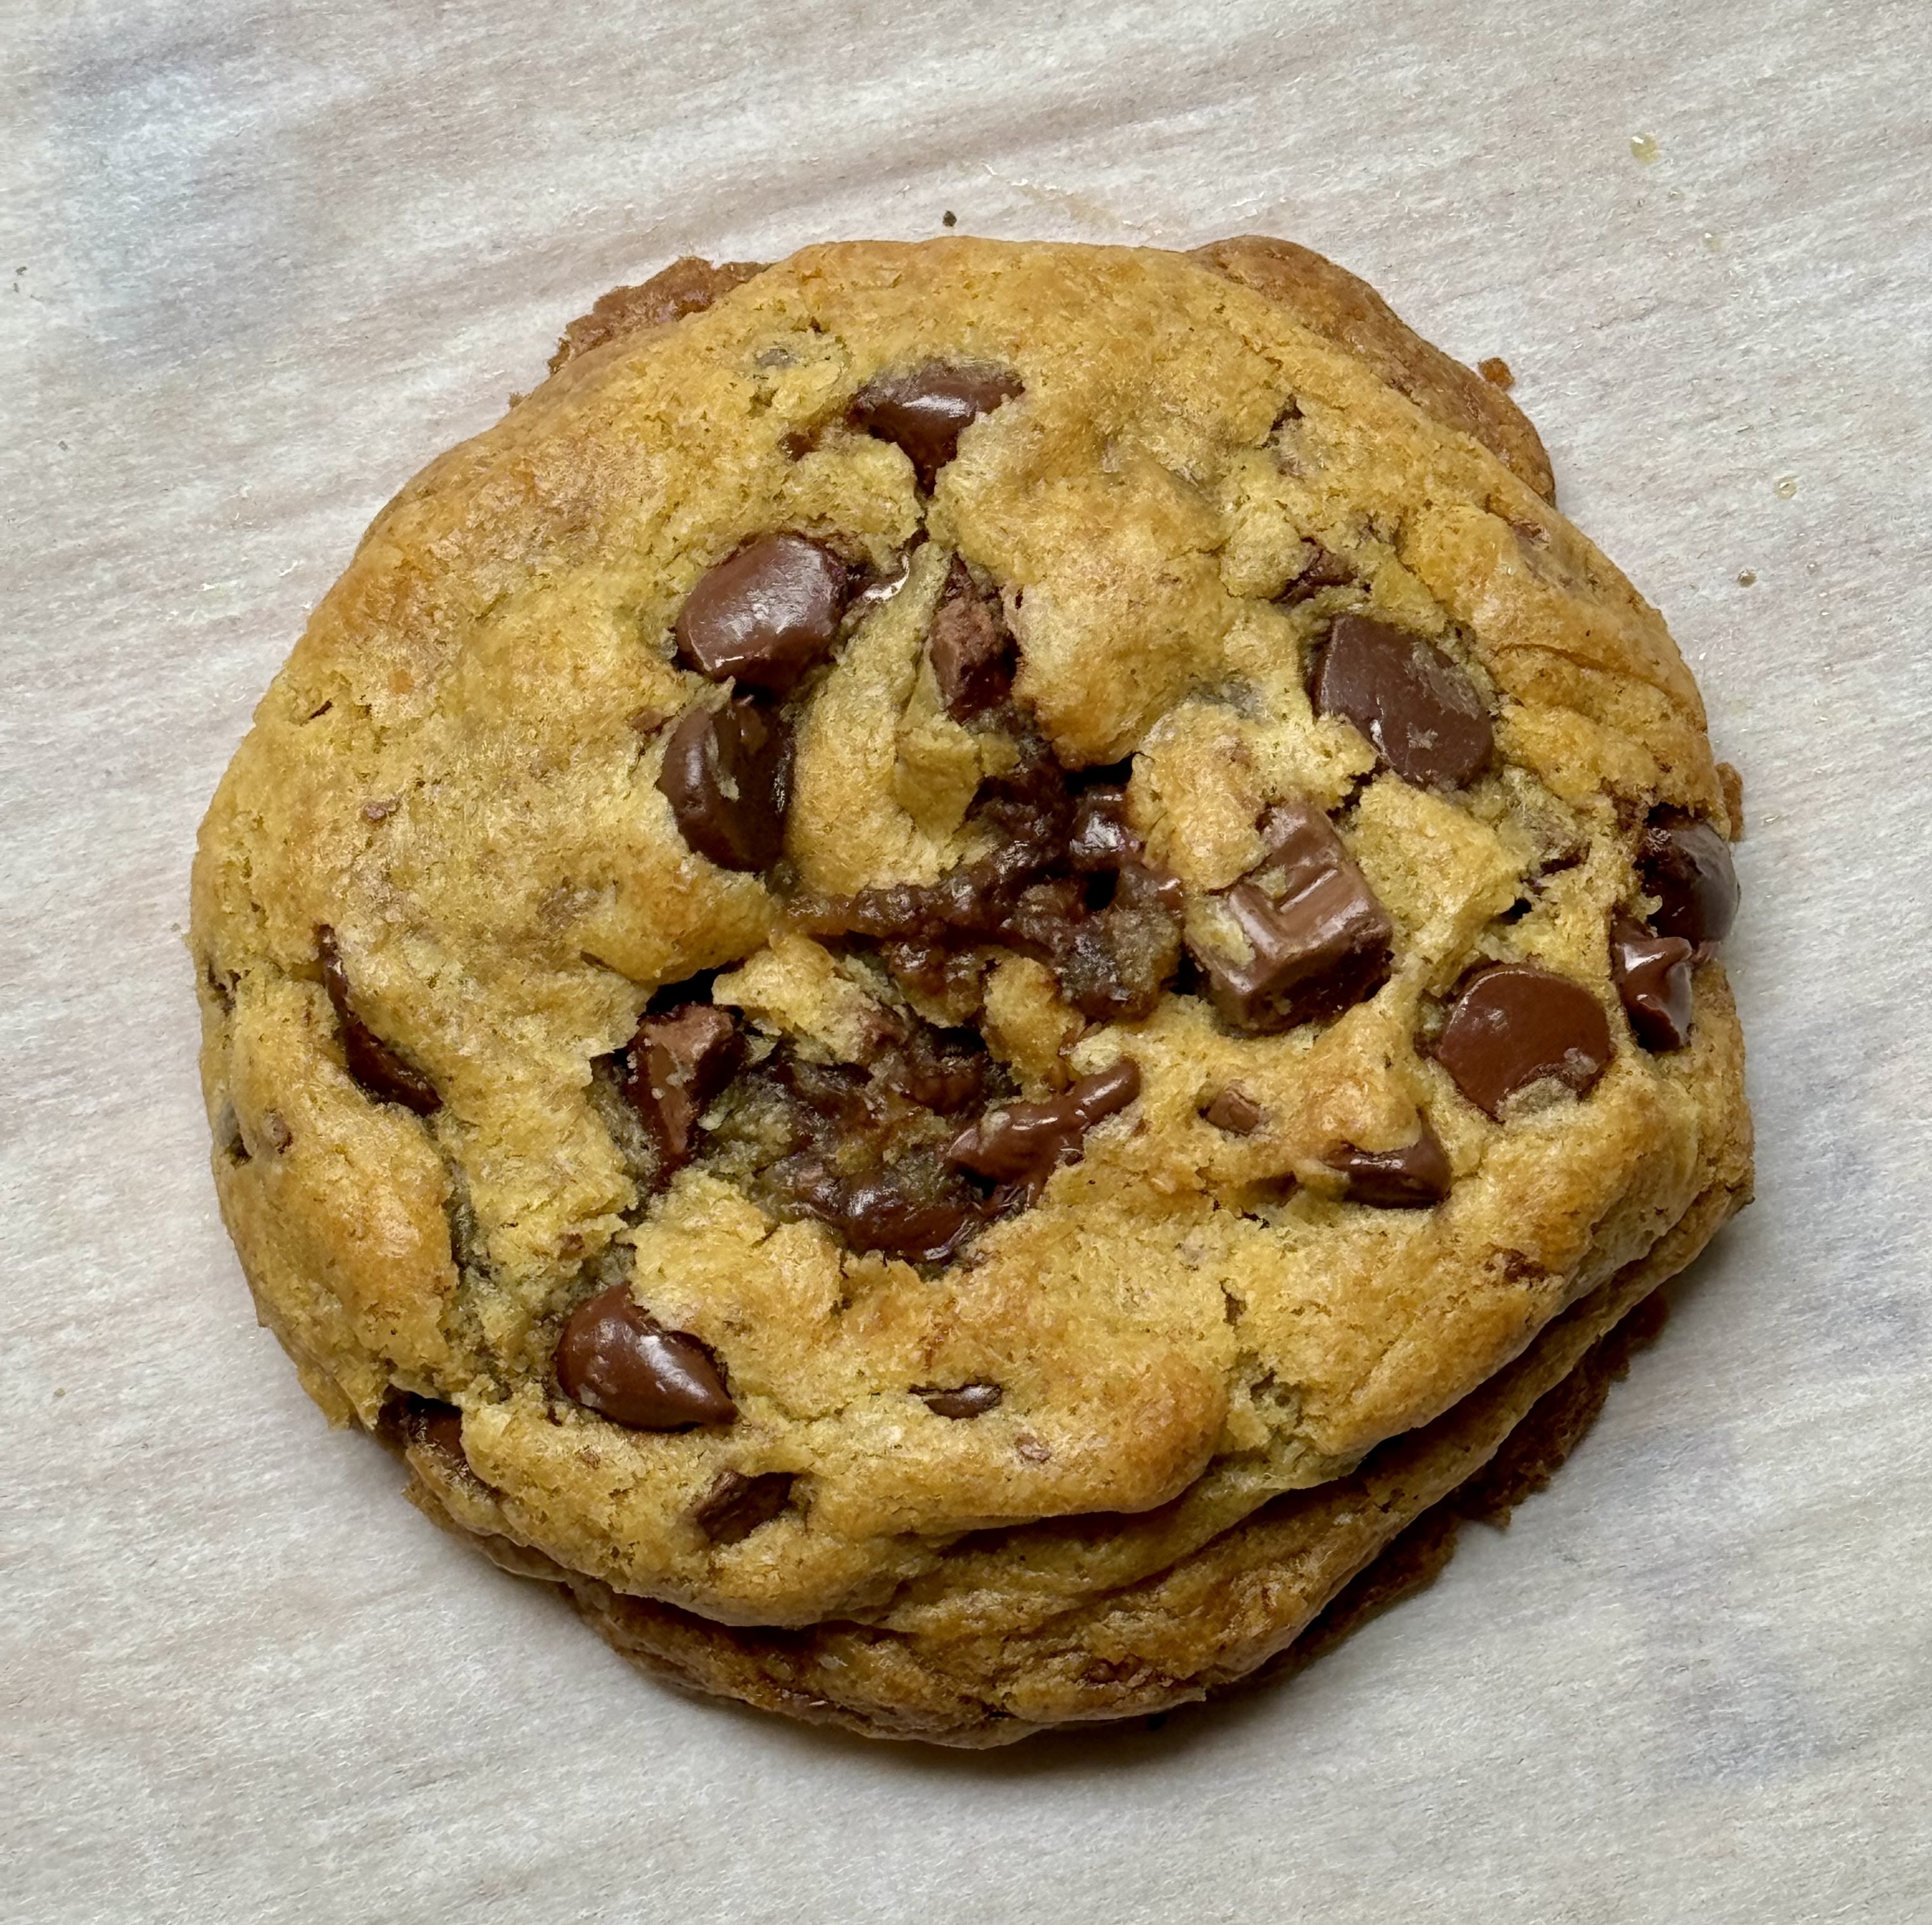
[(953, 932)]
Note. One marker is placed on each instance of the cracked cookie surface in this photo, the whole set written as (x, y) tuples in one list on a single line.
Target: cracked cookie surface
[(950, 889)]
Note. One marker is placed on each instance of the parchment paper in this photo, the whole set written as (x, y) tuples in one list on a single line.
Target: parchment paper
[(265, 257)]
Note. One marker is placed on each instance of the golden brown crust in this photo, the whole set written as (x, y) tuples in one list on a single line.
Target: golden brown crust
[(457, 772), (1262, 1599), (1347, 310)]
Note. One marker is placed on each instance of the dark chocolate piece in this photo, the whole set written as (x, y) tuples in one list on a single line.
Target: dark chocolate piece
[(1235, 1111), (1103, 838), (1325, 571), (1421, 711), (1414, 1177), (1024, 1143), (736, 1505), (1652, 974), (762, 616), (881, 1213), (925, 410), (1514, 1024), (969, 1400), (1687, 865), (381, 1072), (679, 1062), (970, 646), (725, 774), (613, 1359), (1316, 940)]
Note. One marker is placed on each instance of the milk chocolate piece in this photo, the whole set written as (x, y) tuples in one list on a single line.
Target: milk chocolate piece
[(1309, 938)]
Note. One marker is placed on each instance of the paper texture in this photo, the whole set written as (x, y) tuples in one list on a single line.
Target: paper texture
[(262, 260)]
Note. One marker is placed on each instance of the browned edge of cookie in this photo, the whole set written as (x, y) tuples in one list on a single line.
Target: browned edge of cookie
[(1289, 1568), (1344, 309), (1335, 304), (686, 287)]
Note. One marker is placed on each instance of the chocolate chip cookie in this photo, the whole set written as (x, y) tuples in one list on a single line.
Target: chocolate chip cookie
[(917, 975)]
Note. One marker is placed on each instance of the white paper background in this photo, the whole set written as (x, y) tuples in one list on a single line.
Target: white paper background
[(264, 257)]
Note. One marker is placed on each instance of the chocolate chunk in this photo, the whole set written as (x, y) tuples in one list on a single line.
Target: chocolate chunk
[(612, 1359), (1235, 1111), (1413, 1177), (1421, 711), (1687, 865), (925, 410), (381, 1072), (935, 1072), (1325, 571), (1102, 838), (765, 614), (736, 1505), (1308, 937), (970, 1400), (882, 1213), (1652, 974), (725, 774), (431, 1424), (1024, 1143), (970, 646), (679, 1062), (1515, 1024)]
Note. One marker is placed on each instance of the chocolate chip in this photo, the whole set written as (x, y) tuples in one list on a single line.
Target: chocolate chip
[(612, 1359), (725, 773), (969, 1400), (765, 614), (1515, 1024), (679, 1062), (970, 647), (1687, 865), (882, 1213), (1652, 974), (381, 1071), (1413, 1177), (736, 1505), (1024, 1143), (1308, 937), (925, 411), (1235, 1111), (1421, 711)]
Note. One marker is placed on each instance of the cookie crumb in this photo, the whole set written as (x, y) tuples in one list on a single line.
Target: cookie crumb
[(949, 219), (1732, 785), (1496, 372)]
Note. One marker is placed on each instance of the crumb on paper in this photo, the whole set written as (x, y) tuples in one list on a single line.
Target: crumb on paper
[(1497, 373)]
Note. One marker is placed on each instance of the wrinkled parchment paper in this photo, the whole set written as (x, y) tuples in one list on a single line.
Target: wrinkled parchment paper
[(265, 257)]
